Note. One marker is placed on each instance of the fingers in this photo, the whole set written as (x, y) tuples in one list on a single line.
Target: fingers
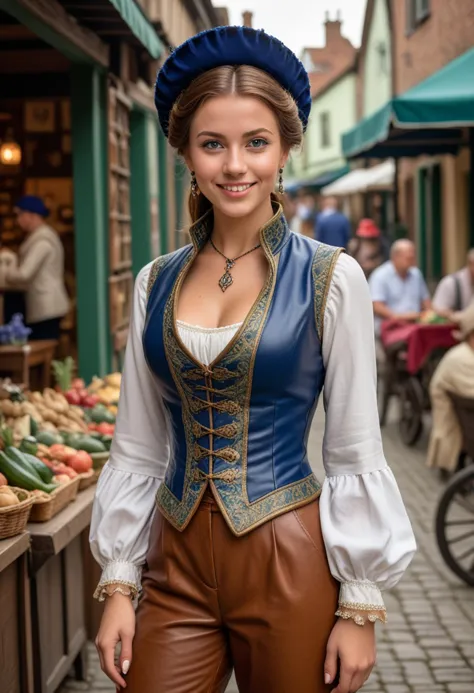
[(126, 653), (106, 652), (345, 680), (353, 677), (330, 665)]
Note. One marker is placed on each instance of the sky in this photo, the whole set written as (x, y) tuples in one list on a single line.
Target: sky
[(299, 23)]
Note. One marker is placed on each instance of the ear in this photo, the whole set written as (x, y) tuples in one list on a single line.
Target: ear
[(284, 158), (187, 160)]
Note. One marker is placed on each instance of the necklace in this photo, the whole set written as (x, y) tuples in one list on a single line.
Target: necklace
[(226, 280)]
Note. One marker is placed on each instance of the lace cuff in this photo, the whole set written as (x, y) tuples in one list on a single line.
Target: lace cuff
[(361, 601), (119, 573)]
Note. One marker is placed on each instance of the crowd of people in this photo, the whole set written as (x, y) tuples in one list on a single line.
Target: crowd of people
[(400, 293)]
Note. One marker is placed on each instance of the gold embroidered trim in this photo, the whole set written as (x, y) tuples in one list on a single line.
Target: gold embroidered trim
[(324, 261), (108, 588), (155, 270), (235, 362)]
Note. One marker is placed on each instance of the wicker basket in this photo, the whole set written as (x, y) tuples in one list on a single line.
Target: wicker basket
[(44, 509), (86, 479), (13, 519)]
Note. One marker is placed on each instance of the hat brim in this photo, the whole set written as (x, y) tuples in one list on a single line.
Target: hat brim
[(230, 45)]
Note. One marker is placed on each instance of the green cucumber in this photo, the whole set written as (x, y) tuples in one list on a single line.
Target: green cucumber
[(101, 414), (88, 444), (33, 426), (29, 445), (44, 472), (107, 441), (18, 475), (18, 457), (48, 438)]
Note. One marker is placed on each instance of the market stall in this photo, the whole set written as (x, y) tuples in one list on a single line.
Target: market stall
[(16, 661), (53, 445)]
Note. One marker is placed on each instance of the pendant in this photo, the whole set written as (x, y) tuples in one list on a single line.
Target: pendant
[(226, 280)]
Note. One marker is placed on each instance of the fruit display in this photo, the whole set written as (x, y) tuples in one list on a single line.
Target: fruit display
[(107, 390)]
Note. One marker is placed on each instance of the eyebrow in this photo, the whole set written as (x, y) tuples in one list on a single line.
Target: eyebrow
[(251, 133)]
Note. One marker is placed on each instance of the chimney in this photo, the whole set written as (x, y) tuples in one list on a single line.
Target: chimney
[(247, 18), (333, 29)]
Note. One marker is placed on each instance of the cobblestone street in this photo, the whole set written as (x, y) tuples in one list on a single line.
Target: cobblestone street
[(428, 644)]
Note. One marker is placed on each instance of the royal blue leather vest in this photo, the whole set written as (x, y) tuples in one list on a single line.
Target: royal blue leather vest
[(241, 423)]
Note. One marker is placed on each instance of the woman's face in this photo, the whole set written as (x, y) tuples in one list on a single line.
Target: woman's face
[(235, 151)]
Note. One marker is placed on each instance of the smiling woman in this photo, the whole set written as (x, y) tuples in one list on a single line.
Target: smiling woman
[(236, 113), (208, 504)]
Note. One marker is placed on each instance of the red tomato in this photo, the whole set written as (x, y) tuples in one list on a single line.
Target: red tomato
[(89, 401), (81, 462), (106, 429), (73, 397), (61, 452)]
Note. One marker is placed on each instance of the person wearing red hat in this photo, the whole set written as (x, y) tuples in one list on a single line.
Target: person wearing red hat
[(367, 247)]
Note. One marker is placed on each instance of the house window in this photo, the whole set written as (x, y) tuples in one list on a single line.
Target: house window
[(325, 129), (416, 13)]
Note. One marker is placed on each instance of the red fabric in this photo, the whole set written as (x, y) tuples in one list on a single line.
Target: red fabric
[(420, 340)]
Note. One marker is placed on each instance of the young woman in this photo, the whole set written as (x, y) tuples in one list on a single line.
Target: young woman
[(208, 488)]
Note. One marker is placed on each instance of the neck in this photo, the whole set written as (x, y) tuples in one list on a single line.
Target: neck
[(235, 235), (35, 227)]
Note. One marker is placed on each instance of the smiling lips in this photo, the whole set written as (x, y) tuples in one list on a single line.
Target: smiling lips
[(236, 189)]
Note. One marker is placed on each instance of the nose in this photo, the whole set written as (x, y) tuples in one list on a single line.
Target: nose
[(235, 163)]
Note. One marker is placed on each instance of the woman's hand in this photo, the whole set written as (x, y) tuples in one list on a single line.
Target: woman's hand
[(117, 625), (354, 646)]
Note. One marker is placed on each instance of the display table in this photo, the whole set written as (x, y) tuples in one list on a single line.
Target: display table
[(57, 593), (17, 361), (16, 660), (419, 340)]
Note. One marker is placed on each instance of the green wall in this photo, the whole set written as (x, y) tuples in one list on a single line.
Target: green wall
[(340, 102)]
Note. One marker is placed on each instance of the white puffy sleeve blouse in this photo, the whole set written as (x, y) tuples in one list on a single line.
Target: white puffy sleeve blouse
[(368, 536)]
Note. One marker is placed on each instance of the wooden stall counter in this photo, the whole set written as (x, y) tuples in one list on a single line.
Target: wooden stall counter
[(16, 660), (57, 593), (17, 362)]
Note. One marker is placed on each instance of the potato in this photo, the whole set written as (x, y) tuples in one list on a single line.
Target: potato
[(3, 481), (7, 500)]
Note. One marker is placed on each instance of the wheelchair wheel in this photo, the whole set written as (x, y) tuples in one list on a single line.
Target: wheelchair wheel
[(412, 401), (455, 525)]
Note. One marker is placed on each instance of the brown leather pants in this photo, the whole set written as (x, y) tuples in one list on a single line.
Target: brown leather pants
[(262, 604)]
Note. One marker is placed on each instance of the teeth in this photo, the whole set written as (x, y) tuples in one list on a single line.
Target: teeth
[(236, 188)]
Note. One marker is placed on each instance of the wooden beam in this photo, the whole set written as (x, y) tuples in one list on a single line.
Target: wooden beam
[(32, 61), (49, 20)]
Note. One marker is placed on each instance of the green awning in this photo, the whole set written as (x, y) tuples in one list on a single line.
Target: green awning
[(317, 182), (116, 20), (140, 26), (427, 119)]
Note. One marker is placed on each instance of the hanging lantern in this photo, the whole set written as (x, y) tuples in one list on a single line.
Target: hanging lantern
[(10, 151)]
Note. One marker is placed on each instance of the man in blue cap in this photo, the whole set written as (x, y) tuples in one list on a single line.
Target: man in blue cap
[(40, 271)]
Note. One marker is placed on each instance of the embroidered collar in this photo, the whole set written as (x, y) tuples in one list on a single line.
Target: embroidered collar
[(273, 235)]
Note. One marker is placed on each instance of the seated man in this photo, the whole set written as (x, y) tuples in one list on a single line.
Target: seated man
[(455, 291), (455, 373), (398, 288)]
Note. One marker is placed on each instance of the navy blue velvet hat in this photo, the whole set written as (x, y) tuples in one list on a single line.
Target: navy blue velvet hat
[(31, 203), (230, 45)]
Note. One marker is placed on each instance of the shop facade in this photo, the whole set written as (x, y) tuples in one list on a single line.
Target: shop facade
[(77, 99)]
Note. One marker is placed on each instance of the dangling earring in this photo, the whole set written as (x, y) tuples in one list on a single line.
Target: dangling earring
[(281, 189), (194, 185)]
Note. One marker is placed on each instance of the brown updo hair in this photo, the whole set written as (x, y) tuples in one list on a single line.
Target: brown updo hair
[(243, 80)]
